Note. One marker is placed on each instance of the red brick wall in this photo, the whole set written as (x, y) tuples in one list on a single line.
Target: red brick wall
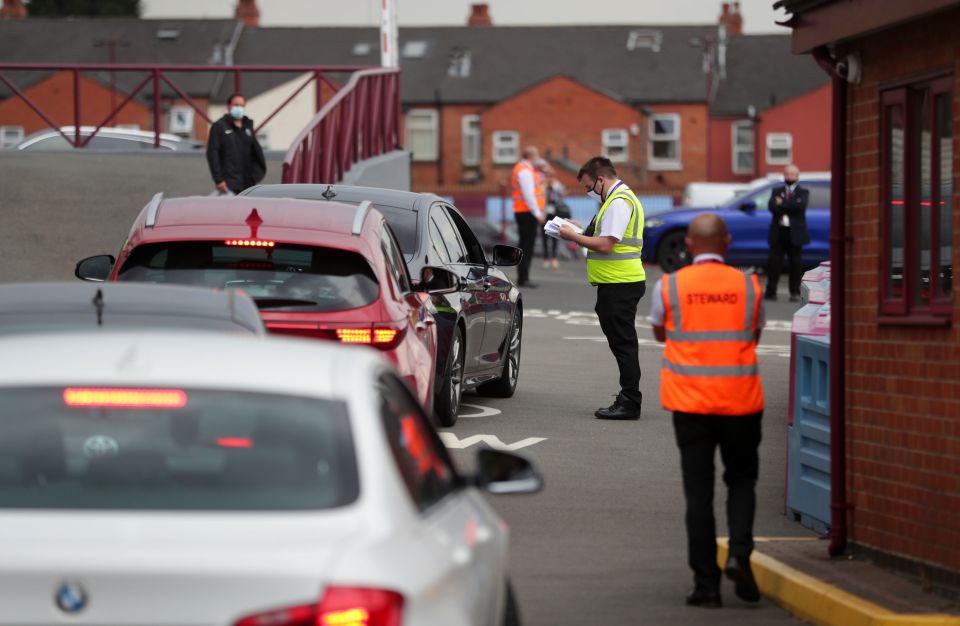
[(903, 383)]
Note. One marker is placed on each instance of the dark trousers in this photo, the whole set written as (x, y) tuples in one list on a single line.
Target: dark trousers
[(617, 311), (549, 247), (738, 437), (794, 253), (527, 233)]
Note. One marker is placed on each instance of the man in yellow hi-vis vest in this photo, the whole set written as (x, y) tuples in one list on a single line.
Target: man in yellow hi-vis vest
[(711, 316), (613, 241)]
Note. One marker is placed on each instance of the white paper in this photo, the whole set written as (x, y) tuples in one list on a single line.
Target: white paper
[(552, 228)]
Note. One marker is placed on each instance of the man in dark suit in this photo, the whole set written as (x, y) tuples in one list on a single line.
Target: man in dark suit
[(788, 232)]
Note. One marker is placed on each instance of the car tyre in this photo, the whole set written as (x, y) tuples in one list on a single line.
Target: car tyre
[(511, 610), (672, 253), (506, 385), (447, 401)]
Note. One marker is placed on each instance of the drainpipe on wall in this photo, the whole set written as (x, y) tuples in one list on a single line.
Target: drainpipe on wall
[(838, 280)]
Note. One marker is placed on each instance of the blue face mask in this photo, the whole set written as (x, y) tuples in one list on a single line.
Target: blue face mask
[(236, 113)]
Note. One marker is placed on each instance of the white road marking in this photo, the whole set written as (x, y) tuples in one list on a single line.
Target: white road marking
[(762, 349), (484, 411), (589, 318), (451, 440)]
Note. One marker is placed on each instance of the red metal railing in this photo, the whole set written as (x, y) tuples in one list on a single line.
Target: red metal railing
[(361, 121), (158, 75)]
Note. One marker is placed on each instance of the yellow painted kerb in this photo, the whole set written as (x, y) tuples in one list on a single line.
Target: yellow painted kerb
[(820, 603)]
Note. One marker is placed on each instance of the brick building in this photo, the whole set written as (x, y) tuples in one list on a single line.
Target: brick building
[(899, 64)]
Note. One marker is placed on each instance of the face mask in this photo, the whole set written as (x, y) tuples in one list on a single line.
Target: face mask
[(236, 113), (593, 194)]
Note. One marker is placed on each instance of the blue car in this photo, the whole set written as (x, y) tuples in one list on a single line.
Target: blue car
[(748, 220)]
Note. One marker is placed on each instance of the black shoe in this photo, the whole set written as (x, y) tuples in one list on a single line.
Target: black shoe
[(618, 411), (794, 297), (770, 296), (744, 584), (704, 599)]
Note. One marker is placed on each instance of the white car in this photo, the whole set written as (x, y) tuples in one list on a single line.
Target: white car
[(154, 478)]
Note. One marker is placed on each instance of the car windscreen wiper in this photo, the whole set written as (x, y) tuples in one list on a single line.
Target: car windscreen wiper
[(275, 303)]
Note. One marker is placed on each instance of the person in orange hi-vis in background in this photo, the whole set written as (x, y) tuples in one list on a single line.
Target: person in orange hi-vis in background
[(711, 316), (528, 209)]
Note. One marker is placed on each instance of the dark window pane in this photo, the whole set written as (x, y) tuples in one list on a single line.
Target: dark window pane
[(450, 237), (666, 150), (895, 194), (945, 208), (921, 287)]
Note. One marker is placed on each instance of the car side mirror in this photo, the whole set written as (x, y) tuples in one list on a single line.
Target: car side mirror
[(748, 207), (437, 281), (505, 256), (95, 268), (500, 472)]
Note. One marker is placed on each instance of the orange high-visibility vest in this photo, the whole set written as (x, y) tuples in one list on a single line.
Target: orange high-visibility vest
[(519, 202), (710, 360)]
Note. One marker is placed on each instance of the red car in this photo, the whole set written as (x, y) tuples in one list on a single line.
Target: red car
[(330, 272)]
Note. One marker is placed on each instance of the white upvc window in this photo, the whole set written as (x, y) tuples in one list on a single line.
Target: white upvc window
[(742, 146), (506, 146), (779, 148), (472, 139), (665, 142), (422, 134), (616, 144), (10, 135)]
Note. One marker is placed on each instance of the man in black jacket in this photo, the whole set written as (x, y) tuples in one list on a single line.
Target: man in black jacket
[(233, 152), (788, 232)]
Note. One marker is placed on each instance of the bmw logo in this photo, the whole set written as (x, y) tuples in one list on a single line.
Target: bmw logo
[(71, 598)]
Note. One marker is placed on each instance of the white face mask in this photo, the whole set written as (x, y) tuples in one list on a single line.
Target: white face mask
[(593, 195)]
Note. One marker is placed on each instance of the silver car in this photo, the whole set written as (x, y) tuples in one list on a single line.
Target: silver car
[(107, 139), (212, 479)]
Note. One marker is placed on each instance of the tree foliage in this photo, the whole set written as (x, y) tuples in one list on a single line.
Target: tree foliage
[(96, 8)]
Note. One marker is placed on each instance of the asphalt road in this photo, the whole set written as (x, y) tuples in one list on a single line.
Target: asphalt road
[(604, 542)]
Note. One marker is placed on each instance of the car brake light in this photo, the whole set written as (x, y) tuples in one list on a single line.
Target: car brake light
[(234, 442), (340, 606), (125, 398), (250, 243), (383, 337)]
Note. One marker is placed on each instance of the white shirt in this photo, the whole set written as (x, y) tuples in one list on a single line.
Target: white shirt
[(617, 216), (658, 309), (528, 187), (785, 219)]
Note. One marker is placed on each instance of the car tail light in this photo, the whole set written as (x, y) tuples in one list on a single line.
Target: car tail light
[(250, 243), (340, 606), (378, 336), (99, 397)]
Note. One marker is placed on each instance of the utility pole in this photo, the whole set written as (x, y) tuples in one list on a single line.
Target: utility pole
[(112, 45), (389, 55)]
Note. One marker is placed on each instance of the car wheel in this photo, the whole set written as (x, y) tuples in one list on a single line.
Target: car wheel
[(447, 401), (506, 385), (672, 253), (511, 611)]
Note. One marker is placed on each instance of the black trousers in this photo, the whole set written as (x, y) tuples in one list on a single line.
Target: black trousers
[(617, 311), (794, 253), (549, 246), (698, 437), (527, 234)]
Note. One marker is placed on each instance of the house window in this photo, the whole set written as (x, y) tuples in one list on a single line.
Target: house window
[(743, 146), (181, 120), (506, 146), (422, 141), (615, 144), (779, 148), (470, 126), (917, 199), (10, 135), (665, 142)]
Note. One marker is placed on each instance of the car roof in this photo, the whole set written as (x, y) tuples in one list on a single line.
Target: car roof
[(234, 211), (342, 193), (127, 299), (191, 360)]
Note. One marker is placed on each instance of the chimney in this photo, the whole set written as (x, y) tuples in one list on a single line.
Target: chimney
[(247, 12), (13, 9), (479, 15), (731, 19)]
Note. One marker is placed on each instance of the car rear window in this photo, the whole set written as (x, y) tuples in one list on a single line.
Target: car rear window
[(173, 449), (282, 277), (22, 323)]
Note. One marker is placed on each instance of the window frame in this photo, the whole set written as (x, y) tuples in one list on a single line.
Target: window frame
[(497, 135), (657, 164), (477, 134), (907, 307), (606, 142), (430, 124), (17, 130), (736, 149), (768, 140)]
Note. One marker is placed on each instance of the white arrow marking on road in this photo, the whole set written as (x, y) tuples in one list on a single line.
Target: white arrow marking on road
[(485, 411), (452, 441)]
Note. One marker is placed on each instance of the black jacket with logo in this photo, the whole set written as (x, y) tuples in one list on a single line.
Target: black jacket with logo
[(795, 208), (235, 155)]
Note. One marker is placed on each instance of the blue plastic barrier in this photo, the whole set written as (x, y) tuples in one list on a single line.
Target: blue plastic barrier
[(808, 437)]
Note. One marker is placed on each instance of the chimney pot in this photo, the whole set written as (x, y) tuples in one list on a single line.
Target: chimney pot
[(731, 20), (480, 15), (247, 12), (13, 9)]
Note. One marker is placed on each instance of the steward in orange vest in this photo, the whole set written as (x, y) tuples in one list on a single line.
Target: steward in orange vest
[(710, 316), (529, 202)]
